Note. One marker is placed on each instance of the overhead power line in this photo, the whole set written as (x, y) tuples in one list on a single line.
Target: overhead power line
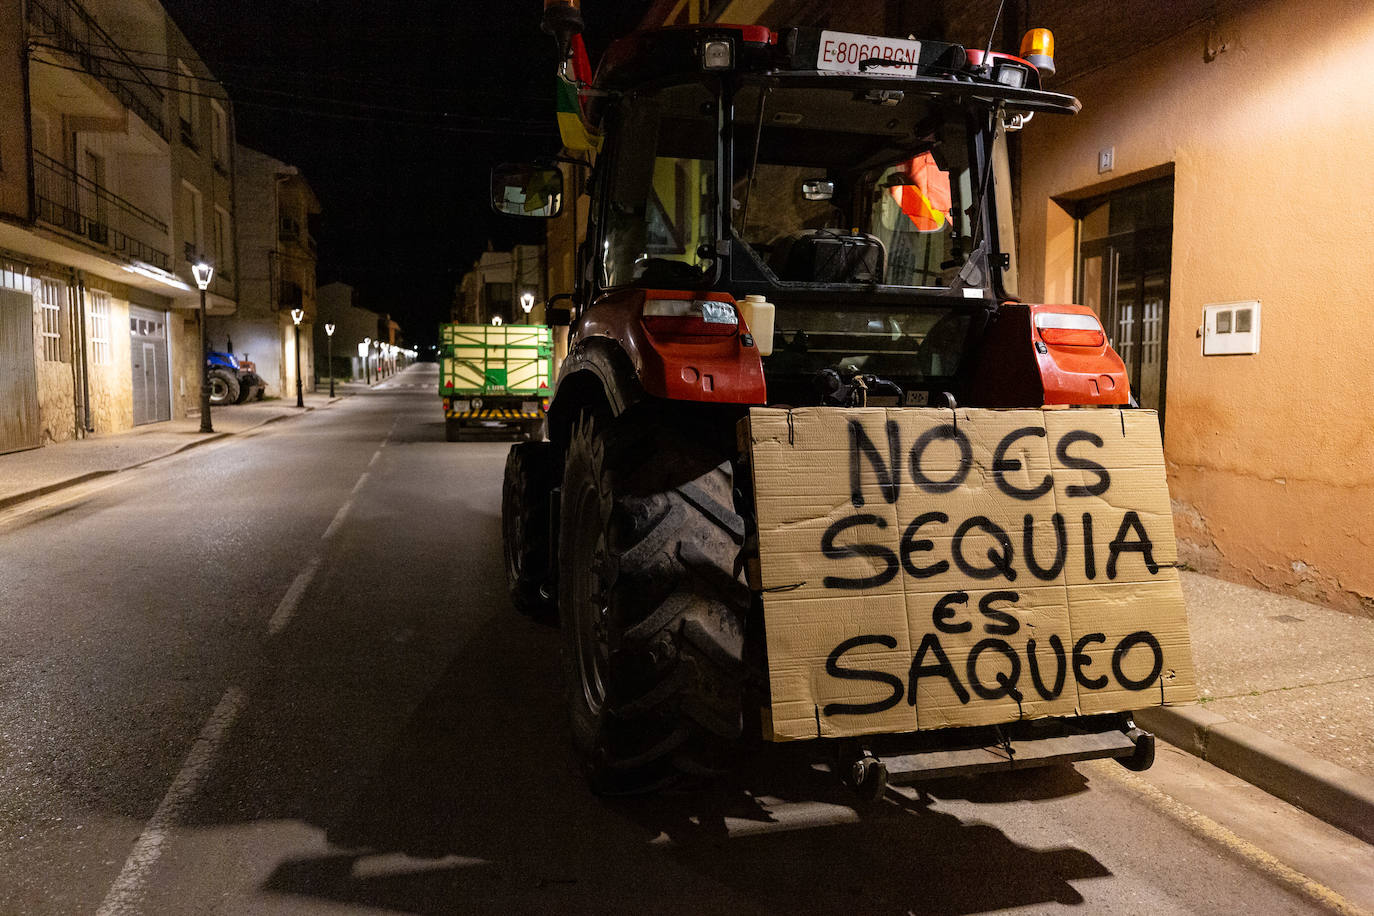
[(514, 127), (284, 93), (148, 68)]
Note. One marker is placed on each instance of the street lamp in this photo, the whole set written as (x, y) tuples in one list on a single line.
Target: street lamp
[(203, 273), (367, 360), (527, 303), (496, 320), (296, 316), (329, 336)]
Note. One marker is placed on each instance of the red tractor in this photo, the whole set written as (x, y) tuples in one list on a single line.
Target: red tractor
[(793, 219)]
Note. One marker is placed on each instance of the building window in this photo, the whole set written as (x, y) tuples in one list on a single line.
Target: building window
[(14, 277), (186, 104), (220, 137), (224, 244), (52, 297), (192, 222), (98, 301)]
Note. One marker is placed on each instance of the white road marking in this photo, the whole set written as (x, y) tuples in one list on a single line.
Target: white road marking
[(127, 890), (289, 602), (292, 598)]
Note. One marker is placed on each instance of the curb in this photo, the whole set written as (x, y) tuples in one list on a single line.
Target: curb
[(1340, 797), (15, 499)]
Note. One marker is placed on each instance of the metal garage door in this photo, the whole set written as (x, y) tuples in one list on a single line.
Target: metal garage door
[(148, 353), (18, 381)]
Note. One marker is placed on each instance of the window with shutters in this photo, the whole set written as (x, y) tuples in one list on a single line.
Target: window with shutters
[(52, 301), (98, 303)]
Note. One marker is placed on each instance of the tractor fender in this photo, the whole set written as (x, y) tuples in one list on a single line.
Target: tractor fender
[(596, 375)]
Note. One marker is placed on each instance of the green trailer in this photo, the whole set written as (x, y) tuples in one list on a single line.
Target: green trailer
[(495, 376)]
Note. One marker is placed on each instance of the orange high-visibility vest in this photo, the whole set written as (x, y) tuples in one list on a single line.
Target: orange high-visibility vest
[(927, 199)]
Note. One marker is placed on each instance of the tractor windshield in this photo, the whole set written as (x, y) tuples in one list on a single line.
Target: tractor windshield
[(853, 186)]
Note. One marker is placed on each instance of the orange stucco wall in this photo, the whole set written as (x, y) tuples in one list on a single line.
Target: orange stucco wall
[(1271, 145)]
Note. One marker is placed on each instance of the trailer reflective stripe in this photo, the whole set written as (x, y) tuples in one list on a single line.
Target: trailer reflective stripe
[(497, 413)]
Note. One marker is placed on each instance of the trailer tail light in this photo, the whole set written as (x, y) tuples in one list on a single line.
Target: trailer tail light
[(690, 318), (1066, 329)]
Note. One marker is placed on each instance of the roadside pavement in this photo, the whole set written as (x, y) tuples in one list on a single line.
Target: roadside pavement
[(1287, 699), (35, 472)]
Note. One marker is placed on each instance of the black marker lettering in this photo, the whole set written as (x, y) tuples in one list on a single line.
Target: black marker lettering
[(1141, 544), (1001, 563), (1089, 549), (832, 668), (889, 475), (1082, 660), (1006, 682), (876, 551), (1005, 624), (1104, 480), (1028, 547), (911, 544), (947, 431), (930, 642), (1057, 646), (1140, 637), (1001, 465), (944, 612)]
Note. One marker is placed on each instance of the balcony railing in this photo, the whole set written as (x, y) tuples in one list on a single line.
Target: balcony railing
[(73, 202), (290, 295), (67, 26)]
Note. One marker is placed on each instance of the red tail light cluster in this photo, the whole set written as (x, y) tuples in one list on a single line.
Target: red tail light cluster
[(1067, 329), (690, 318)]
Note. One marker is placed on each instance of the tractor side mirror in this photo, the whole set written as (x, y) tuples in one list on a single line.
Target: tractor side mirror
[(559, 316), (523, 189)]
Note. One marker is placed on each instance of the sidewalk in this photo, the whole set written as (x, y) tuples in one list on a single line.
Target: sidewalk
[(1287, 698), (28, 474)]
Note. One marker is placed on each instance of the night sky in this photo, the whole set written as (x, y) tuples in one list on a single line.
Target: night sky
[(394, 111)]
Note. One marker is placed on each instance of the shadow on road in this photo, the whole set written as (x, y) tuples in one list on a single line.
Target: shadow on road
[(478, 792)]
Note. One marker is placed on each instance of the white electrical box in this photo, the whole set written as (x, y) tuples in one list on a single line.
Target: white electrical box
[(1230, 328)]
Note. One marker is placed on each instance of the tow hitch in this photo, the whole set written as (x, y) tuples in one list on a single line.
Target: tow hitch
[(1017, 746)]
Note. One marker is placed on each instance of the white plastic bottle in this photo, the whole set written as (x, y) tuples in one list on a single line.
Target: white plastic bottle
[(758, 316)]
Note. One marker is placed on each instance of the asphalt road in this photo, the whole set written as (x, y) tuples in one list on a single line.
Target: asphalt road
[(279, 674)]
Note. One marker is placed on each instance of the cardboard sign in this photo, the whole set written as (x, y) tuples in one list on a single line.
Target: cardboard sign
[(928, 568)]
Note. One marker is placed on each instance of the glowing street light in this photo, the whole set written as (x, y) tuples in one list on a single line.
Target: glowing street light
[(527, 303), (329, 335), (297, 315), (496, 320), (204, 273)]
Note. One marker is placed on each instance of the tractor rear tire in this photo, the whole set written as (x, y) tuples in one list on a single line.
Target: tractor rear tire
[(224, 387), (525, 528), (652, 602), (453, 429)]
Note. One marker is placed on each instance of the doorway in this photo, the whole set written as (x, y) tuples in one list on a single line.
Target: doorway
[(1124, 255), (19, 419), (152, 388)]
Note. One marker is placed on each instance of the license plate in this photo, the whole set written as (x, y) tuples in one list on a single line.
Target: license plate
[(844, 51), (462, 406)]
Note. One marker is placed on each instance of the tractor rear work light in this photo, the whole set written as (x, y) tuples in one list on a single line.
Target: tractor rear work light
[(1009, 74), (717, 54), (1037, 46), (690, 318), (1067, 329)]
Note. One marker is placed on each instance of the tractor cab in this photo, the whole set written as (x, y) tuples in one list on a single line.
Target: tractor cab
[(857, 185)]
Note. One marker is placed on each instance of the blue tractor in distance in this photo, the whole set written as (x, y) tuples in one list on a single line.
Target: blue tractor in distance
[(232, 381)]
